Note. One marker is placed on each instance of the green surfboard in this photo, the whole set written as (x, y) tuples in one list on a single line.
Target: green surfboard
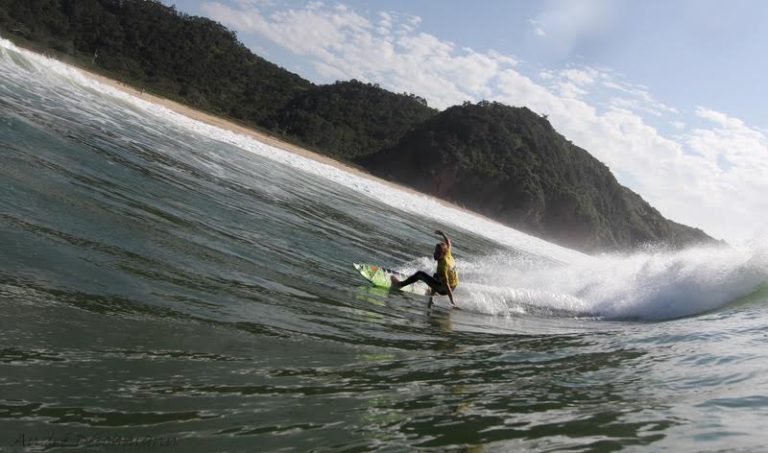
[(382, 278)]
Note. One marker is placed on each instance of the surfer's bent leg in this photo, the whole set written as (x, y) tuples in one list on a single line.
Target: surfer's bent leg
[(436, 285)]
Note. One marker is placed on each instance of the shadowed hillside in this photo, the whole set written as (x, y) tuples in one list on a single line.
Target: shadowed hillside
[(507, 163), (511, 165), (350, 120), (154, 47)]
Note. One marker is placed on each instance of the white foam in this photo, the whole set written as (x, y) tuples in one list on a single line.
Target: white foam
[(646, 285), (403, 200)]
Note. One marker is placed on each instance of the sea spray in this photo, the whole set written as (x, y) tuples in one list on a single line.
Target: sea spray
[(648, 285), (142, 261), (645, 285), (383, 193)]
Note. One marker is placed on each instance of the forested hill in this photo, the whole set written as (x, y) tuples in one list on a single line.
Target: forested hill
[(507, 163), (350, 120), (201, 63), (511, 165), (156, 48)]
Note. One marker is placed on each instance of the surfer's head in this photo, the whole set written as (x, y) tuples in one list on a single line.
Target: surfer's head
[(440, 250)]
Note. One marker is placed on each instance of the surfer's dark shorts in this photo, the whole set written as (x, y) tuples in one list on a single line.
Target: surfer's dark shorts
[(435, 283), (441, 287), (432, 281)]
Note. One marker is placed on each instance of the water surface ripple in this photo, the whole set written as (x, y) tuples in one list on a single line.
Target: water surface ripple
[(184, 287)]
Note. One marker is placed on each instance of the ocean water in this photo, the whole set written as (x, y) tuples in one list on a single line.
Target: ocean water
[(169, 286)]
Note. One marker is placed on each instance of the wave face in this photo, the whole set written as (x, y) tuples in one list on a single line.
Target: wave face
[(649, 285), (166, 278)]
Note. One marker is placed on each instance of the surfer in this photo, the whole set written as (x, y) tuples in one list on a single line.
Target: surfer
[(445, 280)]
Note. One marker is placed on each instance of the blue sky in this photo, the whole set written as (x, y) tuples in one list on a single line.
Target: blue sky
[(669, 94)]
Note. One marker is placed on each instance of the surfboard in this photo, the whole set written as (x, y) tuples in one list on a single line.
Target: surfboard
[(382, 278)]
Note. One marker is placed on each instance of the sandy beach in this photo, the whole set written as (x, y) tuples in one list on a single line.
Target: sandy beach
[(255, 134), (232, 126), (268, 139)]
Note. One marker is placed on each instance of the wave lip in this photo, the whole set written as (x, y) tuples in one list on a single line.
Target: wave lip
[(386, 194), (648, 285)]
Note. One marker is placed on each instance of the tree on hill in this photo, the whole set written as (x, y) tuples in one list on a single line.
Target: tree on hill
[(350, 120), (507, 163), (153, 46), (511, 165)]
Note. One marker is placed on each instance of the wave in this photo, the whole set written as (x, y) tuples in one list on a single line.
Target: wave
[(383, 193), (647, 285)]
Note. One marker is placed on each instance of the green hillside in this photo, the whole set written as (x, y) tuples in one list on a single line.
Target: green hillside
[(511, 165), (350, 120), (507, 163), (156, 48)]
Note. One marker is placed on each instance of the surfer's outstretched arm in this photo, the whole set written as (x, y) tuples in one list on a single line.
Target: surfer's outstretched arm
[(445, 237)]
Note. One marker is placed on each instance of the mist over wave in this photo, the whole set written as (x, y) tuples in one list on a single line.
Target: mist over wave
[(545, 280), (23, 61), (646, 285), (147, 256)]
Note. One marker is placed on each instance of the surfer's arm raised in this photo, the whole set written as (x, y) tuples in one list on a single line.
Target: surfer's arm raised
[(445, 237)]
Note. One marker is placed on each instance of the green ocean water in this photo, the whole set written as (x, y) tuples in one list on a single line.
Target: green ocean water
[(168, 286)]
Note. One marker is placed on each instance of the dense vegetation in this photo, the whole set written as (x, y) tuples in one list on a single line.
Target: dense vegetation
[(350, 120), (152, 46), (507, 163), (199, 62), (510, 164)]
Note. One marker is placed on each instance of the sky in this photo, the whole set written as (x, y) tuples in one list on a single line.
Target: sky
[(669, 94)]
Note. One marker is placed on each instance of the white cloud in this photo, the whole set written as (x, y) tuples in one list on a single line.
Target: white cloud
[(255, 3), (570, 90), (636, 97), (385, 23), (389, 50), (679, 125), (706, 177), (733, 145), (564, 23), (721, 119), (537, 30), (585, 76), (546, 75), (577, 82)]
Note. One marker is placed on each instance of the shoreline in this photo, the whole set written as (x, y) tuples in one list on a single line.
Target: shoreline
[(270, 140), (213, 120), (232, 126), (262, 137)]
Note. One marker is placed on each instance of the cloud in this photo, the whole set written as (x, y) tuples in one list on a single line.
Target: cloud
[(704, 177), (537, 30), (736, 147), (730, 163), (564, 24), (582, 76), (388, 49), (385, 23), (571, 90), (617, 94)]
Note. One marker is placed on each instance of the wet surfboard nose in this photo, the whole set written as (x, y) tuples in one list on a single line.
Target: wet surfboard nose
[(382, 278)]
